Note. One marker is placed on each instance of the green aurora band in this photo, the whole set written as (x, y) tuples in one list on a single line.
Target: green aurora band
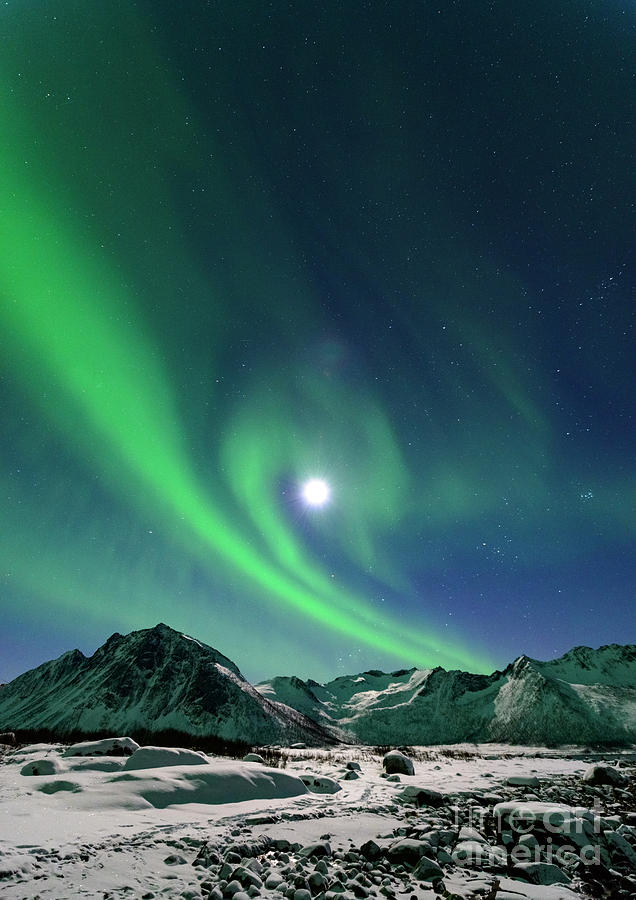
[(79, 349)]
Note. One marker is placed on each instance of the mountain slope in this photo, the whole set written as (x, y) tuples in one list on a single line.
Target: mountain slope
[(583, 697), (159, 679), (154, 679)]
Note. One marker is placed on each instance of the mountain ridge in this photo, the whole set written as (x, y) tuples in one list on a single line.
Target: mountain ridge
[(160, 679), (586, 695), (153, 679)]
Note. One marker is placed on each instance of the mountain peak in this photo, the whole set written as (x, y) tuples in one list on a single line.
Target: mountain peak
[(153, 679)]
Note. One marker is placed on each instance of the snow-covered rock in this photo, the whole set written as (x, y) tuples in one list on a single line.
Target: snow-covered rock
[(158, 757), (321, 784), (541, 873), (50, 765), (116, 746), (254, 757)]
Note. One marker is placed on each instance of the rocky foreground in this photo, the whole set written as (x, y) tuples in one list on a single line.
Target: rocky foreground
[(335, 825)]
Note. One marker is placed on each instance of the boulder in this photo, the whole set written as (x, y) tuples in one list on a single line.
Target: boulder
[(254, 757), (371, 851), (619, 847), (477, 854), (427, 870), (540, 873), (421, 796), (320, 848), (529, 781), (409, 851), (600, 775), (397, 763)]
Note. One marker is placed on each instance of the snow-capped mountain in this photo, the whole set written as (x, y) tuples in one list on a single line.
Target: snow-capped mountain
[(585, 696), (159, 679), (155, 679)]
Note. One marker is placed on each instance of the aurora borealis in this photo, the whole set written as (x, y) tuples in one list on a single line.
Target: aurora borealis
[(389, 247)]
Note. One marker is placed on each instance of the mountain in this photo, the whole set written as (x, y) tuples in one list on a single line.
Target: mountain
[(585, 696), (155, 679), (159, 679)]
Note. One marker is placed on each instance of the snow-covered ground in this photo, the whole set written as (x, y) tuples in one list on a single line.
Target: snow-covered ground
[(107, 826)]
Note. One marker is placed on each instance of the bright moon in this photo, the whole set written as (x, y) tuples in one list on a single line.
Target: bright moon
[(316, 492)]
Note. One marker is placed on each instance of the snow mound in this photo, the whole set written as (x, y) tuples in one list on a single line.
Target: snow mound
[(116, 746), (48, 766), (211, 783), (159, 757)]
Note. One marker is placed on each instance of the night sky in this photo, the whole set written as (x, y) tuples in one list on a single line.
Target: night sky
[(386, 245)]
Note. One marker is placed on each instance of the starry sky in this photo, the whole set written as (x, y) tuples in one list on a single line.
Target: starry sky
[(386, 245)]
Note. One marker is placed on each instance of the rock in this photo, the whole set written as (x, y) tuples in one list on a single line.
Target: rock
[(525, 816), (321, 848), (246, 876), (175, 860), (317, 882), (396, 763), (427, 870), (160, 757), (619, 846), (353, 766), (350, 776), (393, 778), (116, 746), (527, 840), (523, 781), (232, 888), (540, 873), (446, 836), (421, 796), (600, 775), (320, 784), (408, 851), (476, 854), (282, 845), (471, 834), (46, 766), (370, 850), (254, 757), (273, 880), (302, 894)]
